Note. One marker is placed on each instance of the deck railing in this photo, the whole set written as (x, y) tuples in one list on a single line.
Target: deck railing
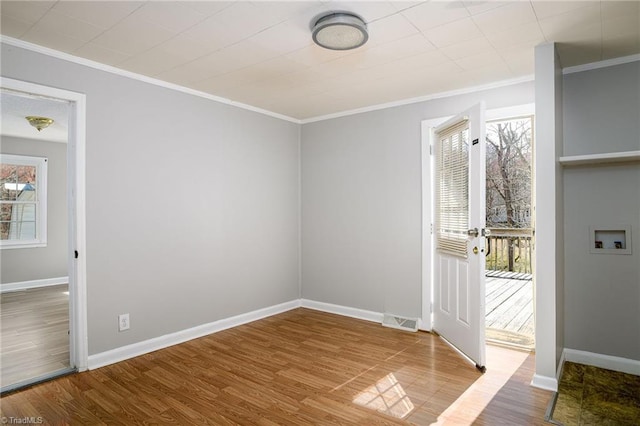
[(509, 249)]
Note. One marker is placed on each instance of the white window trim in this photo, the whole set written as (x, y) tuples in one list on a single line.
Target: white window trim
[(41, 203)]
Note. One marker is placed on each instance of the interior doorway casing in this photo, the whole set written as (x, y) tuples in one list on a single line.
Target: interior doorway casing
[(78, 350)]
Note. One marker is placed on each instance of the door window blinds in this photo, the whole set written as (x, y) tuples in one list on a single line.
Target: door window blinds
[(452, 189)]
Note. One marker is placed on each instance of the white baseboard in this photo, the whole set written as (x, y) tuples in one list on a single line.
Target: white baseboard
[(623, 365), (545, 382), (136, 349), (343, 310), (25, 285)]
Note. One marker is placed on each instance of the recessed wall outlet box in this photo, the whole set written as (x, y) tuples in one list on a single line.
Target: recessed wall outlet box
[(614, 239), (123, 322)]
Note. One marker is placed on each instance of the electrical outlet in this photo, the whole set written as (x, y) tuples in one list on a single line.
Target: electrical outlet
[(123, 322)]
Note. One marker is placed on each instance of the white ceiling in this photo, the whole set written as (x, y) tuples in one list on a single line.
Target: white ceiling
[(261, 53), (14, 107)]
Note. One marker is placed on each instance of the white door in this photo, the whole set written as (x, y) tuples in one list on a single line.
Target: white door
[(458, 231)]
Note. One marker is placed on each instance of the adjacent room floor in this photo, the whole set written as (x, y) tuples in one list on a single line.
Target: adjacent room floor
[(590, 395), (35, 338)]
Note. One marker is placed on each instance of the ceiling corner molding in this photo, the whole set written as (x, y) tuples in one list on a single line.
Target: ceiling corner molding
[(134, 76), (601, 64), (464, 91)]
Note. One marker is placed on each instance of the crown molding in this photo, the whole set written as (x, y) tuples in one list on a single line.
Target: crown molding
[(472, 89), (123, 73), (464, 91), (601, 64)]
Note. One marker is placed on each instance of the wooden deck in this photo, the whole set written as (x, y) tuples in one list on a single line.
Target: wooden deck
[(509, 308)]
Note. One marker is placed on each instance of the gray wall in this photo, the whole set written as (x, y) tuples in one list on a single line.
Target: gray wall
[(192, 205), (27, 264), (601, 110), (602, 292), (361, 202)]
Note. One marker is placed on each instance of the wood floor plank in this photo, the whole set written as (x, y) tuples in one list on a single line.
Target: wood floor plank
[(35, 339), (301, 367)]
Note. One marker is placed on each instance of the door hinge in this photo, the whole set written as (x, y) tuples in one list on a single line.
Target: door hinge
[(430, 149), (75, 253), (431, 228)]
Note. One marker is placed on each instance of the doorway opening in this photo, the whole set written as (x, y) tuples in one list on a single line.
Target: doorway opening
[(497, 253), (509, 304), (47, 295)]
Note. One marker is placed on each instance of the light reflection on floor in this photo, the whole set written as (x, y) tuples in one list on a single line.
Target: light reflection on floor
[(465, 403), (386, 396), (470, 404)]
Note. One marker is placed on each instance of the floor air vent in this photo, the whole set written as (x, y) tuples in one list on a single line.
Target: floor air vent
[(407, 324)]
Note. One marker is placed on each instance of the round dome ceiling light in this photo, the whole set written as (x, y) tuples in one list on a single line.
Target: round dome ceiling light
[(340, 31)]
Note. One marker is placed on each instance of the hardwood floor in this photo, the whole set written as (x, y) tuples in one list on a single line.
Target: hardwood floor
[(301, 367), (35, 339)]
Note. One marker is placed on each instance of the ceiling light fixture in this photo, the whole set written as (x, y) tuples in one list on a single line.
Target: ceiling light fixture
[(39, 122), (340, 31)]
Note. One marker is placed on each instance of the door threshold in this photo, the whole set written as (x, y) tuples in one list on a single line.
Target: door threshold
[(37, 380), (510, 345)]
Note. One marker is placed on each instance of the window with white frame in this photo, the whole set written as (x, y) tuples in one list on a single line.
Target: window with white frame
[(23, 201)]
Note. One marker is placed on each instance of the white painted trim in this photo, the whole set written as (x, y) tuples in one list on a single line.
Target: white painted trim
[(464, 91), (136, 349), (123, 73), (114, 70), (299, 212), (343, 310), (623, 365), (544, 382), (25, 285), (79, 345), (426, 216), (608, 157), (510, 112), (427, 141), (601, 64), (547, 193), (77, 147)]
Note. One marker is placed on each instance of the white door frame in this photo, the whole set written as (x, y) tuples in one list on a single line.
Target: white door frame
[(428, 127), (76, 144), (428, 138)]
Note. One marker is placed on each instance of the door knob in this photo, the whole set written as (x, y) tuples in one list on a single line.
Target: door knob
[(473, 232)]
